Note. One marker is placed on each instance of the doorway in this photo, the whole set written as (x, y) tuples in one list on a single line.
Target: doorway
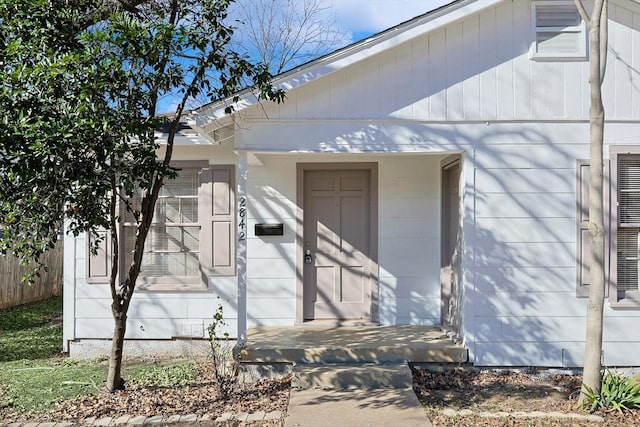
[(339, 242)]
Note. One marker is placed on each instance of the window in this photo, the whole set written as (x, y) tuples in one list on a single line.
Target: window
[(172, 249), (625, 290), (192, 235), (559, 32)]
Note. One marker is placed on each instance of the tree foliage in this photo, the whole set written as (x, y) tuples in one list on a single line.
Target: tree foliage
[(80, 84)]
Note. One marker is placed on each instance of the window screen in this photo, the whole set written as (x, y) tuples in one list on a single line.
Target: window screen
[(173, 244)]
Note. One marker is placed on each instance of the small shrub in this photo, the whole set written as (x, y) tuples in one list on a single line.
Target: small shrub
[(617, 393), (224, 366)]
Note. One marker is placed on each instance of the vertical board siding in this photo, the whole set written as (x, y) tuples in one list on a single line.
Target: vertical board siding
[(521, 63), (420, 82), (387, 90), (455, 73), (13, 292), (437, 73), (635, 64), (622, 74), (487, 69), (471, 61), (476, 69), (504, 61)]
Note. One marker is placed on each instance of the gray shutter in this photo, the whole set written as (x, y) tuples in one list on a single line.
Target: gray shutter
[(582, 217), (99, 265), (218, 202)]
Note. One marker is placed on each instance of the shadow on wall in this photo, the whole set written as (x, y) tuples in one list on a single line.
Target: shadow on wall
[(519, 230)]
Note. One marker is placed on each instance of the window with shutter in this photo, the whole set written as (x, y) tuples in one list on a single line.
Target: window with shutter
[(625, 289), (559, 32), (192, 234)]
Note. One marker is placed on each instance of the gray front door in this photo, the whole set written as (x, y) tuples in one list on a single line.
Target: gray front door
[(337, 244)]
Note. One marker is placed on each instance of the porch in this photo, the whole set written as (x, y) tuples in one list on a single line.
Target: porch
[(350, 345)]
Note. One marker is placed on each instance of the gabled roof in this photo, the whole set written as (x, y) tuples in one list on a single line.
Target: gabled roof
[(213, 116)]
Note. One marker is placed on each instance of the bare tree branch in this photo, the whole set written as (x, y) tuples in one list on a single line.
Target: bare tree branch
[(285, 33)]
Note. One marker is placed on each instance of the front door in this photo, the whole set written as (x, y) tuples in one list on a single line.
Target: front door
[(337, 244)]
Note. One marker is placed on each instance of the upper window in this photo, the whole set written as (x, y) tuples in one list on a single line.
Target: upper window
[(559, 32)]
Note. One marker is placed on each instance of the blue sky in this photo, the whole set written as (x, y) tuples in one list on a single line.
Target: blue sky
[(362, 18), (358, 19)]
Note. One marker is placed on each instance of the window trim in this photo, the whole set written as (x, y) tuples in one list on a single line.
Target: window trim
[(579, 55), (622, 299)]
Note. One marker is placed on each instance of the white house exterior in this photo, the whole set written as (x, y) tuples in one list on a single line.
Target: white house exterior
[(433, 172)]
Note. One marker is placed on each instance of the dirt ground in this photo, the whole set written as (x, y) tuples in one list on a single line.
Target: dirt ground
[(201, 398), (506, 391), (445, 388)]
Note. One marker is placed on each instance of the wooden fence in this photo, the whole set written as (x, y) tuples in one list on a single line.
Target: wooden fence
[(13, 292)]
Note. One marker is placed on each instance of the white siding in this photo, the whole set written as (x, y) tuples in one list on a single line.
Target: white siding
[(475, 69), (522, 125), (409, 239), (467, 88), (153, 315), (271, 268)]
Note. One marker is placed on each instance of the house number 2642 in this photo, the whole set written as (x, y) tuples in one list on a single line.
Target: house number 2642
[(242, 214)]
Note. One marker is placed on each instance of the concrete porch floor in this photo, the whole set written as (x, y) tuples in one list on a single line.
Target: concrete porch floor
[(350, 344)]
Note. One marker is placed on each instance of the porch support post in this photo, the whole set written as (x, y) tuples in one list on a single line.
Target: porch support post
[(241, 248)]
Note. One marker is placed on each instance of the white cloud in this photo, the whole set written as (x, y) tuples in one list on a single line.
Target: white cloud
[(372, 16)]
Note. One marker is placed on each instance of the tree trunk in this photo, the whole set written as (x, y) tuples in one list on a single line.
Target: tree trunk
[(114, 375), (595, 306)]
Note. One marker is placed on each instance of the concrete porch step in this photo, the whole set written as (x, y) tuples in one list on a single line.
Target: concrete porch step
[(350, 345), (350, 377)]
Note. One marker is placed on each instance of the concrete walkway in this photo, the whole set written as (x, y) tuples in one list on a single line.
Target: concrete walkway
[(354, 395)]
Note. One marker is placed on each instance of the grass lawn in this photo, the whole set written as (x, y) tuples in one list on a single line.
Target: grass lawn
[(31, 331), (34, 375)]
